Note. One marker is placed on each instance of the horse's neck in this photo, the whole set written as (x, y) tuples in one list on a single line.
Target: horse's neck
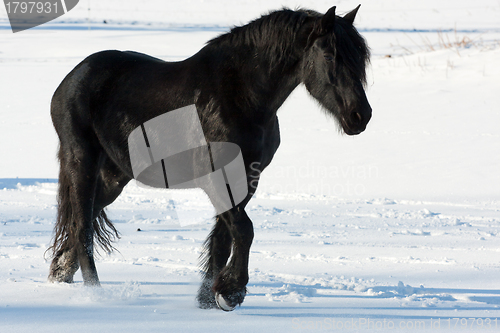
[(256, 77), (275, 70)]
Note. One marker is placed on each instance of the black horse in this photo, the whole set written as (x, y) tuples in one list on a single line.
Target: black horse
[(237, 83)]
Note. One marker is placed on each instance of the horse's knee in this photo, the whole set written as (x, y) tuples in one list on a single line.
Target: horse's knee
[(241, 228)]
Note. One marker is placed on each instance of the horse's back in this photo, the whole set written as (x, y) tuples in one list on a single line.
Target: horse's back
[(101, 67), (104, 81), (93, 77)]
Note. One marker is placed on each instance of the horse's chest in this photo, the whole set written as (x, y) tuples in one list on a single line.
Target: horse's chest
[(260, 144)]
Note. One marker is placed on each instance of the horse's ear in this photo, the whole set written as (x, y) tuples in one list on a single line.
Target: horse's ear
[(349, 17), (328, 20), (322, 26)]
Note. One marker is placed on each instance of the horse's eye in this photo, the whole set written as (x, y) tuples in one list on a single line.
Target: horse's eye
[(329, 57)]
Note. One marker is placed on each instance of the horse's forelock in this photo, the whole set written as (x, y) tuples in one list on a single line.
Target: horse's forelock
[(351, 48)]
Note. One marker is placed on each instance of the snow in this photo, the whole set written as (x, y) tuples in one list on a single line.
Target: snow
[(397, 226)]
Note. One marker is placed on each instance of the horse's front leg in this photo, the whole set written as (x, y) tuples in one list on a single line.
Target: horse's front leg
[(229, 285), (217, 252)]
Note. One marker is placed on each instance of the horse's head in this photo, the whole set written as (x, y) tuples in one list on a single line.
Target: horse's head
[(334, 70)]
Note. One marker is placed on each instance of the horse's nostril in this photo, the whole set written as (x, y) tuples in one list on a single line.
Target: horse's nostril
[(356, 117)]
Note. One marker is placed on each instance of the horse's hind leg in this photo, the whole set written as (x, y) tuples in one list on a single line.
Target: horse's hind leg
[(74, 234), (110, 184), (65, 260), (84, 194)]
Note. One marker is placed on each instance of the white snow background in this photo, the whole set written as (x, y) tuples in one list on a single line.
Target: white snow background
[(396, 229)]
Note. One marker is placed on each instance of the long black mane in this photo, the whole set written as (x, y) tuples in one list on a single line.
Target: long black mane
[(275, 33)]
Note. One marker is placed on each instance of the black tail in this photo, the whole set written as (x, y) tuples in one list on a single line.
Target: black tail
[(65, 228), (105, 232)]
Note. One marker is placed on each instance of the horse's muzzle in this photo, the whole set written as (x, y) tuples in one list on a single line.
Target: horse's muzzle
[(357, 121)]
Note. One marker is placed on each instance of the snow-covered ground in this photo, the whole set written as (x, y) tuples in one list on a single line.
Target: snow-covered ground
[(394, 229)]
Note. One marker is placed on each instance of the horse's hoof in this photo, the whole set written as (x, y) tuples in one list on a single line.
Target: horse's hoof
[(223, 304)]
